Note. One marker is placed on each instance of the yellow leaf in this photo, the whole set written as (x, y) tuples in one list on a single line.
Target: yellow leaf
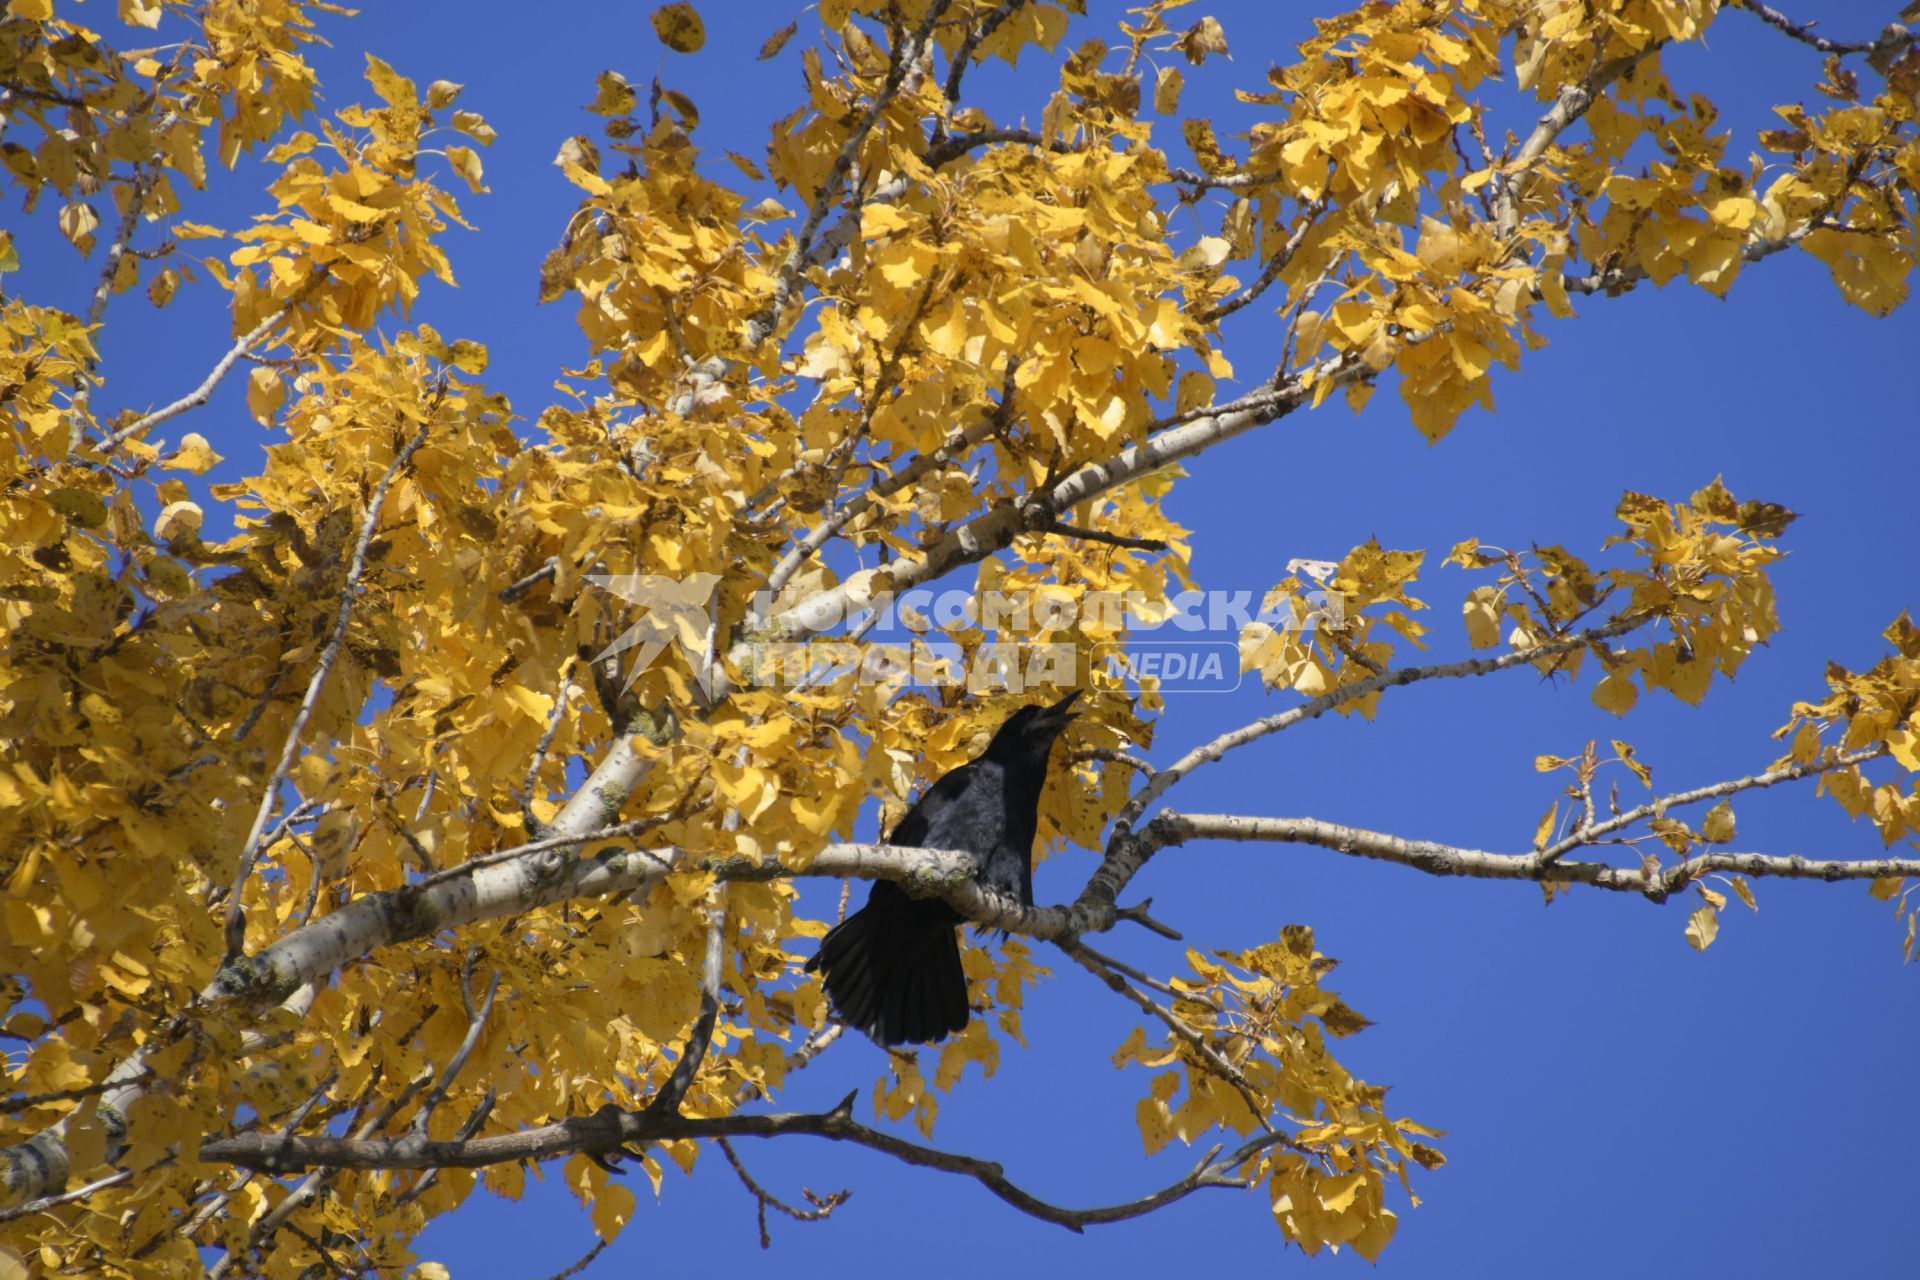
[(1702, 927), (468, 357), (194, 454), (475, 126), (532, 703), (1741, 887), (160, 291), (390, 84), (613, 96), (1195, 390), (1625, 751), (590, 182), (1904, 746), (1203, 38), (31, 10), (177, 521), (441, 94), (1543, 833), (1870, 270), (466, 163), (1717, 827), (1554, 289), (612, 1209), (86, 1140), (1166, 90), (679, 28), (877, 220), (1481, 611), (776, 42), (1616, 694), (77, 223), (265, 393)]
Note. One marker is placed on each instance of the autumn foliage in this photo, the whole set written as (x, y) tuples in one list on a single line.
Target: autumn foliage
[(314, 784)]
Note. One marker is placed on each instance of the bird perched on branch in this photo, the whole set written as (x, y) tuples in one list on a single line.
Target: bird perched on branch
[(893, 967)]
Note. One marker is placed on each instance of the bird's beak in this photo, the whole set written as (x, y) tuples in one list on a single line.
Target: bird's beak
[(1059, 713)]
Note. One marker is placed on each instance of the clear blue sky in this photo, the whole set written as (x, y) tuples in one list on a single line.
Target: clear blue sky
[(1615, 1102)]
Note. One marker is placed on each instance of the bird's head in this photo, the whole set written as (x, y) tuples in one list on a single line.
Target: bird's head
[(1028, 733)]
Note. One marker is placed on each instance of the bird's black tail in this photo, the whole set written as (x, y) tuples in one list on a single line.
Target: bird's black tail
[(893, 968)]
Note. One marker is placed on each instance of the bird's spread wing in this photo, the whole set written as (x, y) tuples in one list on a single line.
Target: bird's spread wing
[(911, 831)]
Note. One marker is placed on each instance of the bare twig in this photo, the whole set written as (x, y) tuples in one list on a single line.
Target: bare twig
[(1203, 1048), (963, 56), (1619, 279), (319, 1180), (1212, 751), (552, 730), (1101, 536), (1275, 265), (123, 237), (210, 1210), (66, 1197), (1802, 31), (547, 844), (586, 1260), (1137, 914), (8, 1106), (823, 1205), (343, 617), (611, 1133), (667, 1101), (952, 147), (204, 392), (1222, 182), (956, 446), (787, 279), (1571, 103), (1109, 755), (470, 1126), (515, 590), (1439, 859), (476, 1022), (810, 1048), (1592, 831)]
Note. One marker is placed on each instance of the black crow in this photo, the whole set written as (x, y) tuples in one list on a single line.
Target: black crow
[(893, 967)]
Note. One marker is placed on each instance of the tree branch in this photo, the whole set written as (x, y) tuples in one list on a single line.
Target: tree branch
[(1271, 272), (611, 1133), (1571, 103), (787, 279), (1592, 831), (765, 1199), (994, 530), (1210, 752), (963, 56), (1101, 536), (667, 1101), (1210, 1057), (343, 618), (1439, 859), (204, 392), (476, 1023), (1802, 31)]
